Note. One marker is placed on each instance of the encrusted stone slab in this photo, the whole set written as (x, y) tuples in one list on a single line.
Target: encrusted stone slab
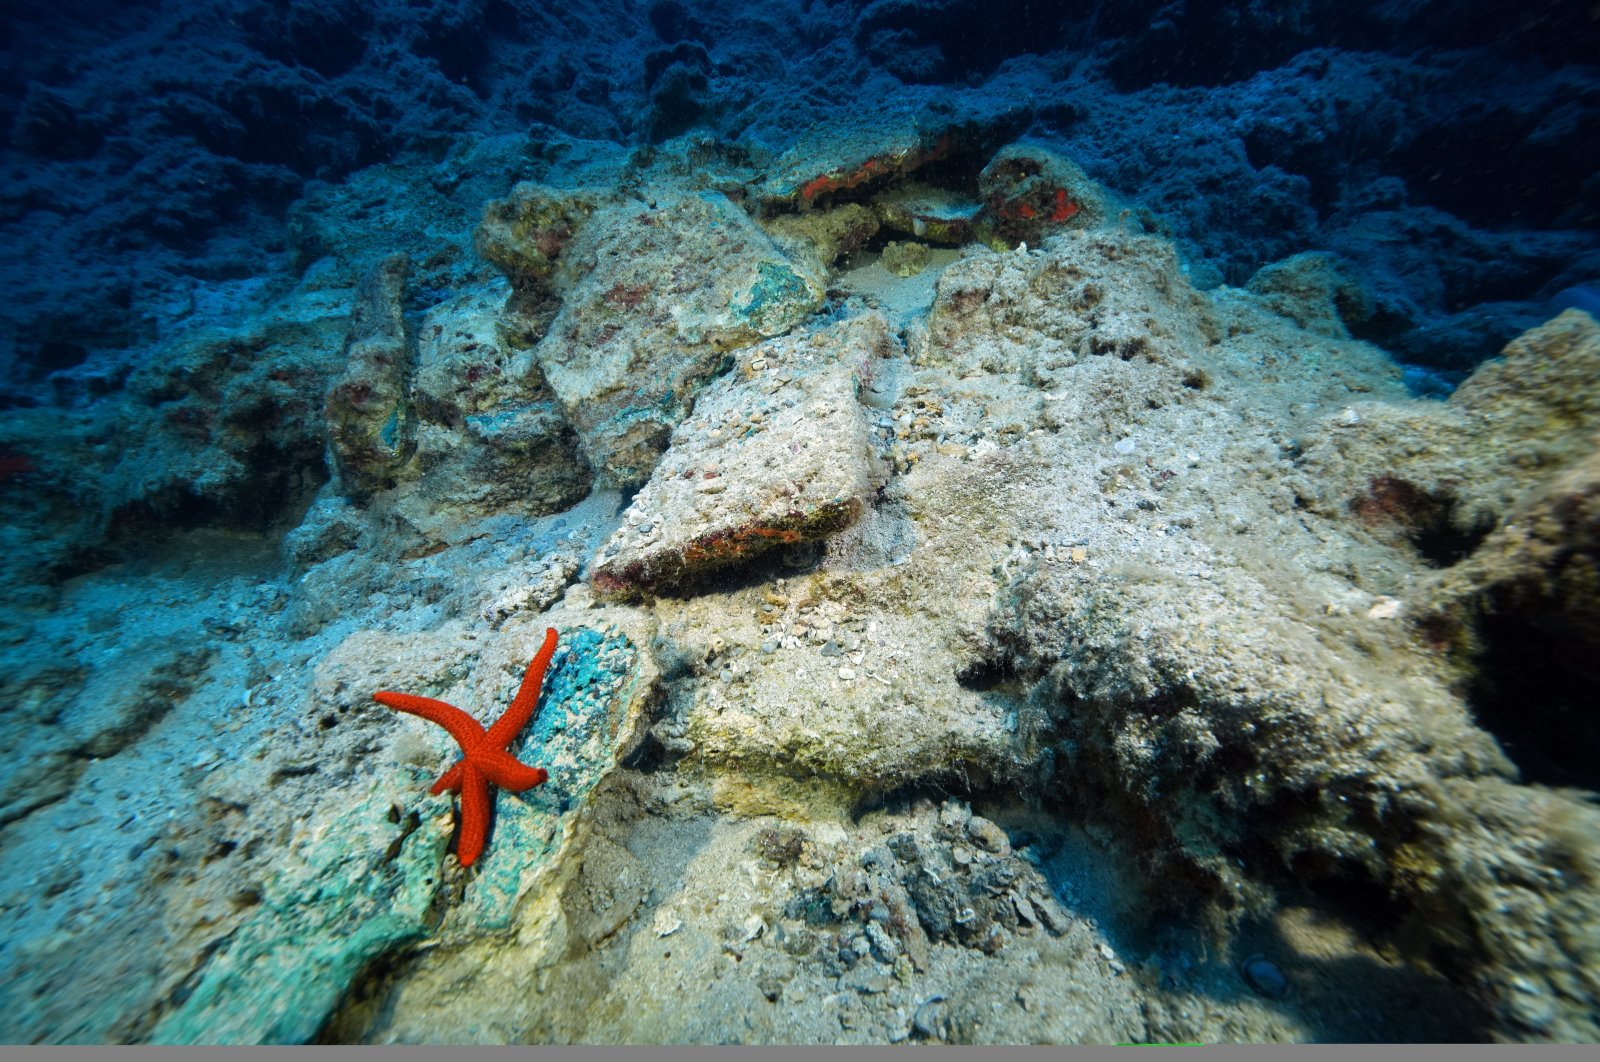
[(776, 453), (657, 297), (365, 886), (866, 150), (825, 236), (932, 214), (365, 882), (591, 717), (369, 420), (841, 155)]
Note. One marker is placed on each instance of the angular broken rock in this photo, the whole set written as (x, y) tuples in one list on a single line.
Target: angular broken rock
[(488, 440), (370, 424), (657, 296), (777, 453), (526, 232)]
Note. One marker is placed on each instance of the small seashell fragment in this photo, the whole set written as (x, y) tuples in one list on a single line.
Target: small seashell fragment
[(666, 922), (1384, 608)]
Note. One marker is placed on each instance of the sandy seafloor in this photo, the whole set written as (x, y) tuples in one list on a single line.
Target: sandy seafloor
[(1057, 532)]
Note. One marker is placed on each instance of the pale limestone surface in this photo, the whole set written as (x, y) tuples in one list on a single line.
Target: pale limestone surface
[(776, 453), (654, 296)]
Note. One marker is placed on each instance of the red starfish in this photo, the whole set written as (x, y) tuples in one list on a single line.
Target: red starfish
[(484, 758)]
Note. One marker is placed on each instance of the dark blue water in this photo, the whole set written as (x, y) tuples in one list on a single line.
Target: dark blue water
[(1446, 151)]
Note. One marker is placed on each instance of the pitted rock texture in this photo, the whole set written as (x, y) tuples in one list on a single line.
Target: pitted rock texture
[(488, 439), (777, 453), (655, 296), (369, 412), (1098, 293)]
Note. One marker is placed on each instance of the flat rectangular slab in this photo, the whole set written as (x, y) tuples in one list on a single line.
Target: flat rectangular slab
[(776, 452)]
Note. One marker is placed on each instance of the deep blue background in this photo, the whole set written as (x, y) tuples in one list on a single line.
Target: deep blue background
[(1448, 150)]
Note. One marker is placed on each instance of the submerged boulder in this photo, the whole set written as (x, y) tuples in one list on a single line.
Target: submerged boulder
[(776, 454), (654, 298), (1029, 191)]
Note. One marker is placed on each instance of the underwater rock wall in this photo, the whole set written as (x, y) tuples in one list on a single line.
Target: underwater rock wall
[(149, 154), (1002, 593)]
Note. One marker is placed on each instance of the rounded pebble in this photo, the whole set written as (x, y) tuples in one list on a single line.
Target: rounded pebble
[(928, 1021), (1264, 977), (989, 836)]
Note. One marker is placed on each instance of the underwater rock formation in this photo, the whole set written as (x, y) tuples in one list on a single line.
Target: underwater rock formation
[(370, 426), (776, 454), (1004, 594), (1029, 192), (489, 438), (653, 297)]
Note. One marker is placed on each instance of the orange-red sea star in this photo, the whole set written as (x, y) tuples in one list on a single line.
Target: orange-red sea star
[(484, 758)]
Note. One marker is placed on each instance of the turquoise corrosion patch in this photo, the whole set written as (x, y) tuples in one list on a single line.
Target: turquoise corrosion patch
[(574, 736), (777, 299), (367, 887), (279, 975)]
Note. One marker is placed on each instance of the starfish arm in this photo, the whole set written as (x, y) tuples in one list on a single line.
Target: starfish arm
[(465, 729), (504, 770), (450, 779), (484, 758), (516, 717), (474, 815)]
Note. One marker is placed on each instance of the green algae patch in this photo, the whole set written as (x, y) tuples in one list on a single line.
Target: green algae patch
[(359, 893)]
